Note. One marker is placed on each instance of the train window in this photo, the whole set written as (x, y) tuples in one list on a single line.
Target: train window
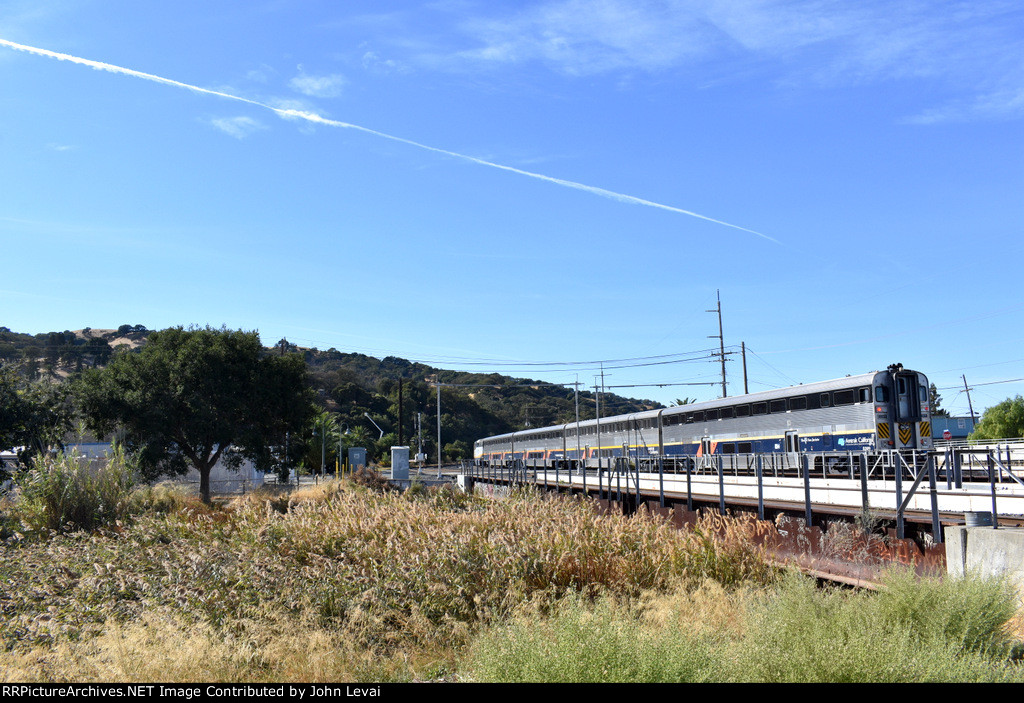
[(864, 395), (745, 448), (881, 394), (742, 410), (711, 415), (777, 406), (760, 408), (847, 397), (728, 413), (728, 448), (823, 400), (698, 417), (923, 394)]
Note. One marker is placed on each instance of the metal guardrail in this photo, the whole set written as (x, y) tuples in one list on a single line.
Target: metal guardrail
[(908, 472)]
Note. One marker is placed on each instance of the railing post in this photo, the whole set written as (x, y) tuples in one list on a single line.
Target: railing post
[(805, 462), (992, 485), (689, 492), (721, 486), (661, 480), (865, 502), (899, 495), (759, 471), (936, 526)]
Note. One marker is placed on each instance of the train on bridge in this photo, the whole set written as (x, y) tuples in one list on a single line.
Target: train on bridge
[(881, 410)]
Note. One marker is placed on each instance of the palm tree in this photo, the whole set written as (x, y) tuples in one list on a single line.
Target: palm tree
[(322, 450)]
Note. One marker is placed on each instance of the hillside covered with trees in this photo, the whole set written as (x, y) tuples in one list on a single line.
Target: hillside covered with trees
[(354, 394)]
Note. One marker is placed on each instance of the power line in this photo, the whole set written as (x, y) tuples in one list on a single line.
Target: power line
[(987, 383)]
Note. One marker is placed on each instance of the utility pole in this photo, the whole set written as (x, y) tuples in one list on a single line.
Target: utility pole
[(969, 405), (743, 349), (597, 410), (576, 397), (400, 414), (721, 340), (438, 377)]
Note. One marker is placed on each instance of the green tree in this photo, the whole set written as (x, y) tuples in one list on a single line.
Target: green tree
[(321, 446), (34, 417), (13, 413), (458, 450), (358, 436), (935, 402), (1001, 421), (193, 397)]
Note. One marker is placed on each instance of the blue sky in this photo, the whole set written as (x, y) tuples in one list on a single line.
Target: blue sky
[(488, 185)]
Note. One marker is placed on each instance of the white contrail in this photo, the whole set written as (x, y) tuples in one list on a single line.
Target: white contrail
[(313, 117)]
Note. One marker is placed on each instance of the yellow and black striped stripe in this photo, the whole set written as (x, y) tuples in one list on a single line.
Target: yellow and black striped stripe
[(906, 433), (883, 430)]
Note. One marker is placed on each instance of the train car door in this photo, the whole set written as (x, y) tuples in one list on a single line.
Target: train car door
[(908, 409), (792, 448), (704, 454)]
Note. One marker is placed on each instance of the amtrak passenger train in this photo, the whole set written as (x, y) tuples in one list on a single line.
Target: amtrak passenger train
[(873, 411)]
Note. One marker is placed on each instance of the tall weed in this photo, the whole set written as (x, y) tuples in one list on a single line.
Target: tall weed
[(65, 492), (579, 641), (914, 630)]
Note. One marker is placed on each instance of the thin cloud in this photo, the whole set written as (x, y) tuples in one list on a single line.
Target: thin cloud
[(314, 118), (967, 52), (372, 61), (237, 127), (997, 106), (318, 86)]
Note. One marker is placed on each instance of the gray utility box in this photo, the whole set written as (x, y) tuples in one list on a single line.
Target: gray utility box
[(356, 458), (400, 463)]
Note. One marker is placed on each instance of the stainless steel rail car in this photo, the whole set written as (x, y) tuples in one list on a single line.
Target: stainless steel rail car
[(873, 411)]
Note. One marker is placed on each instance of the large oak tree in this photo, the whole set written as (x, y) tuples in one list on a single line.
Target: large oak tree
[(191, 397)]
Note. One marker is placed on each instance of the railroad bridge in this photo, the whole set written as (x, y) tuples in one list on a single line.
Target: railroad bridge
[(913, 498)]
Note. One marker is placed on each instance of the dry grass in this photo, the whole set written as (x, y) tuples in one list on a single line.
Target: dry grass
[(340, 582), (274, 587), (162, 647)]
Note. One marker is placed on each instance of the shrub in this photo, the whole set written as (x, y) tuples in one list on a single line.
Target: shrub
[(70, 492), (371, 479)]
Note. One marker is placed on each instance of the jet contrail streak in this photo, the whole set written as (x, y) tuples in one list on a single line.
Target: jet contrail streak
[(315, 118)]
